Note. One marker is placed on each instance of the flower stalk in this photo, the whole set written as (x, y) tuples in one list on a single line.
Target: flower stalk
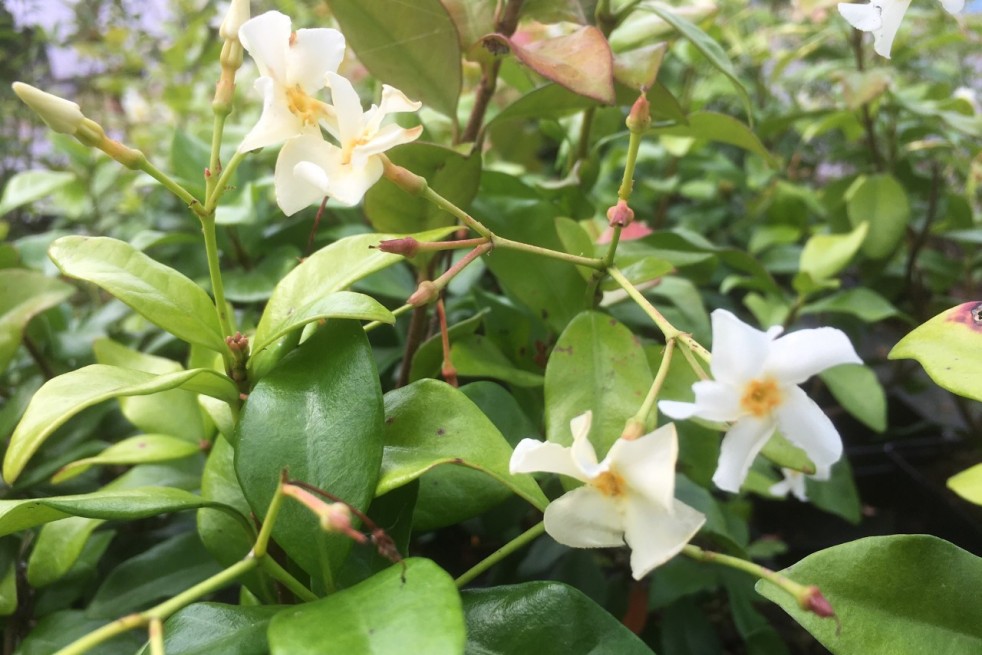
[(515, 544)]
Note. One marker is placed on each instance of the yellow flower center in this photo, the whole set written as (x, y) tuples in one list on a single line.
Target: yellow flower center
[(609, 483), (760, 397), (302, 105), (349, 148)]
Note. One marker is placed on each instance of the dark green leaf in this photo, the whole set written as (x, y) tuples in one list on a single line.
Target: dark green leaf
[(211, 628)]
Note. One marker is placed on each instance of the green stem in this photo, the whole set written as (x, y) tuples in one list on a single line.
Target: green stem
[(500, 554), (106, 632), (627, 181), (649, 401), (395, 312), (221, 185), (203, 588), (215, 273), (262, 541), (214, 162), (171, 185), (589, 262), (156, 637), (451, 208), (281, 575)]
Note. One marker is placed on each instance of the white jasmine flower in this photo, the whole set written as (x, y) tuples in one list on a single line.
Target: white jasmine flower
[(756, 388), (310, 168), (629, 496), (883, 18), (292, 67)]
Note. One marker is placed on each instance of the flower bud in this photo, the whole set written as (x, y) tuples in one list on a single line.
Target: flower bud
[(640, 117), (425, 293), (404, 178), (238, 13), (407, 246), (620, 214), (60, 115), (817, 603)]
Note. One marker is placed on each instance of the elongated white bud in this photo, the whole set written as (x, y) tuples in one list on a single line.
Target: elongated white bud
[(60, 115)]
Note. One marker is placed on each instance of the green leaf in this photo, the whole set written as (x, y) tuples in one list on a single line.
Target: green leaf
[(825, 255), (859, 391), (159, 293), (722, 128), (27, 186), (411, 610), (209, 628), (175, 412), (122, 505), (453, 175), (429, 356), (57, 548), (865, 304), (135, 450), (881, 201), (949, 347), (478, 357), (59, 629), (546, 618), (597, 365), (429, 423), (968, 484), (165, 570), (257, 284), (332, 268), (412, 46), (63, 397), (896, 594), (706, 45), (23, 295), (8, 575), (318, 414), (838, 494), (340, 304)]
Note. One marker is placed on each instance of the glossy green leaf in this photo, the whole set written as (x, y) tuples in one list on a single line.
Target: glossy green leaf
[(896, 594), (865, 304), (476, 356), (453, 175), (210, 628), (27, 186), (881, 201), (596, 365), (135, 450), (721, 128), (704, 44), (123, 505), (175, 412), (949, 347), (429, 356), (838, 494), (159, 293), (257, 283), (785, 454), (546, 618), (318, 414), (412, 46), (825, 255), (63, 397), (57, 549), (968, 484), (430, 423), (859, 391), (163, 571), (576, 241), (340, 304), (23, 295), (411, 610), (8, 575), (57, 630), (332, 268)]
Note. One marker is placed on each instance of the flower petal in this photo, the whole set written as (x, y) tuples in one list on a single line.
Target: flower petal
[(582, 450), (892, 14), (277, 123), (805, 425), (311, 55), (656, 535), (647, 464), (797, 356), (676, 409), (953, 6), (386, 138), (864, 17), (349, 183), (296, 179), (347, 104), (739, 350), (266, 37), (532, 455), (793, 483), (716, 401), (739, 448), (585, 518)]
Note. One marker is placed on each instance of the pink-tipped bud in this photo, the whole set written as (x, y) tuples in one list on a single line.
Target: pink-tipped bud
[(620, 214), (639, 119), (426, 293), (336, 517), (816, 603), (407, 246), (404, 178)]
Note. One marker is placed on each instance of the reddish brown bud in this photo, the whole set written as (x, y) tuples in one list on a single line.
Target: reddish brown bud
[(237, 343), (425, 293), (620, 214), (817, 603), (407, 246), (639, 119)]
